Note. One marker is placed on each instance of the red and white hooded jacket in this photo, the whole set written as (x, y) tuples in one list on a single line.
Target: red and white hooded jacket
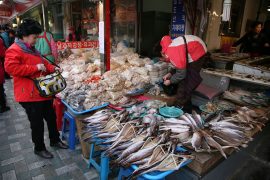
[(176, 52)]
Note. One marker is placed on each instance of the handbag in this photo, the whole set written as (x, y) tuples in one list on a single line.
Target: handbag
[(50, 84)]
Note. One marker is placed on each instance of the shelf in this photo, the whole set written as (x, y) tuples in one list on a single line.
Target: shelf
[(237, 76)]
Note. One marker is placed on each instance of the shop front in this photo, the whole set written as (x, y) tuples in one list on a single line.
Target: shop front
[(228, 114)]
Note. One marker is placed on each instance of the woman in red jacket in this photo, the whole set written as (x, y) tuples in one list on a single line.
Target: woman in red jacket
[(23, 62), (3, 102)]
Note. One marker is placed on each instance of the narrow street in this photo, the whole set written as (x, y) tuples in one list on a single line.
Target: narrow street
[(17, 159)]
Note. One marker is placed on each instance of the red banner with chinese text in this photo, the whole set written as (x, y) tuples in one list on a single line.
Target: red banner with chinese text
[(77, 44)]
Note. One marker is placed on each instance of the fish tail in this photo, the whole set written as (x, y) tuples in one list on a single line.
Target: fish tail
[(223, 154), (140, 171)]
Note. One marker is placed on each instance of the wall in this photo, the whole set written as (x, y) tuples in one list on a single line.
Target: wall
[(157, 5), (212, 38), (250, 13)]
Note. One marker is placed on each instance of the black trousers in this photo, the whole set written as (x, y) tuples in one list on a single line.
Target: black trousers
[(189, 84), (36, 112), (6, 74), (2, 97)]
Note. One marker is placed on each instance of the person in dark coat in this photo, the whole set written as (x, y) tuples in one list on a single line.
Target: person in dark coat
[(266, 34), (3, 102), (253, 41), (186, 53)]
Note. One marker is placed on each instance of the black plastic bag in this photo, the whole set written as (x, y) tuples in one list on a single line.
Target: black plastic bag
[(169, 90)]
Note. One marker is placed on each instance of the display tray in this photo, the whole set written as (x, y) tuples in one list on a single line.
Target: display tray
[(231, 57), (162, 174), (85, 111)]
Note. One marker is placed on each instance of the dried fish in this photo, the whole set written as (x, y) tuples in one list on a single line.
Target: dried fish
[(171, 162), (213, 143), (159, 154), (196, 140)]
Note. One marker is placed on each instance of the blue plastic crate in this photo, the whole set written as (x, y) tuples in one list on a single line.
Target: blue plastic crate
[(85, 111)]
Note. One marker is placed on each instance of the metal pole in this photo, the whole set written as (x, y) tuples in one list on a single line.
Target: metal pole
[(43, 15), (107, 29), (259, 10)]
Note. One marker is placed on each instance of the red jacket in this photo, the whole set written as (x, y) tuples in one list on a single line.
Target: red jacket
[(22, 66), (176, 51)]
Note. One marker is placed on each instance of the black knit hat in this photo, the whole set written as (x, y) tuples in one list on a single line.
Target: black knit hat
[(27, 27)]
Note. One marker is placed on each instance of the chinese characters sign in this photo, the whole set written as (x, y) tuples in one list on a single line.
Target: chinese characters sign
[(178, 19), (77, 44)]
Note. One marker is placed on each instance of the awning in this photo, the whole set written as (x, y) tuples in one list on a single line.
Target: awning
[(11, 8)]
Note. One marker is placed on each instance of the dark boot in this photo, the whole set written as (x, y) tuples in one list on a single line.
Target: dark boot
[(44, 154), (59, 144), (4, 109)]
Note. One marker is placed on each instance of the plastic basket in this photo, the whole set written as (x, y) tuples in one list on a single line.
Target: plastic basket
[(171, 112)]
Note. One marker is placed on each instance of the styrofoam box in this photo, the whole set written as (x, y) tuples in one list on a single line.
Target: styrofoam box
[(218, 82)]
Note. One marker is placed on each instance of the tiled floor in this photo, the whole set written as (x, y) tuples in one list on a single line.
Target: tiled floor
[(17, 160)]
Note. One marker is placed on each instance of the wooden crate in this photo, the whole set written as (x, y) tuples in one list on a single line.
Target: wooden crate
[(85, 146)]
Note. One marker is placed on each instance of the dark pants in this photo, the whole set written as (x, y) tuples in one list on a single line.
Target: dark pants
[(36, 112), (2, 97), (189, 84), (7, 76)]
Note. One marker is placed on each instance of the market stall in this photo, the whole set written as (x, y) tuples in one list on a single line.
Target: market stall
[(146, 137), (208, 138), (219, 128)]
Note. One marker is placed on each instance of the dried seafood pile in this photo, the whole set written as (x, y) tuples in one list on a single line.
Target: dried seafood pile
[(246, 98), (76, 70), (128, 72), (219, 133), (134, 141), (144, 125)]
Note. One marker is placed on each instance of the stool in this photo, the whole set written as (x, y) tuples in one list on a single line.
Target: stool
[(103, 167), (72, 130)]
